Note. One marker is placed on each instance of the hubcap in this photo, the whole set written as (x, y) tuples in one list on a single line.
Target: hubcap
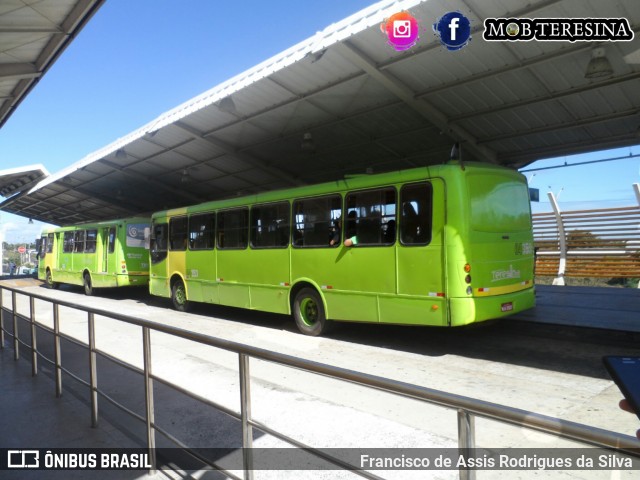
[(180, 296), (309, 311)]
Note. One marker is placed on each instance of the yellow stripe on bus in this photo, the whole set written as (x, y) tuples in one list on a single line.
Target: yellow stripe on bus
[(487, 291)]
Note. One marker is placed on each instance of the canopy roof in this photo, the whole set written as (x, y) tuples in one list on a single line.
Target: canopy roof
[(345, 102), (32, 36)]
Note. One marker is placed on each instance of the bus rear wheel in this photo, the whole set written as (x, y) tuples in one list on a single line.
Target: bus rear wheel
[(308, 312), (179, 297), (88, 287)]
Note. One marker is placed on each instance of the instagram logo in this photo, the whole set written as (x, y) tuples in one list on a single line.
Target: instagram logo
[(401, 30)]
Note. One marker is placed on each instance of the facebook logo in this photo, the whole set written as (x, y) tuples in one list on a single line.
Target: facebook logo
[(454, 30)]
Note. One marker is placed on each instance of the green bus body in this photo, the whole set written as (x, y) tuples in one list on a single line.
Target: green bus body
[(96, 255), (469, 259)]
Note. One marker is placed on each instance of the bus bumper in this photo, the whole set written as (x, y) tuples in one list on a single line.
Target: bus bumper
[(131, 280), (478, 309)]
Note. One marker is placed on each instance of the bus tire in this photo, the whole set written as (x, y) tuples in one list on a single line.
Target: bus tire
[(49, 280), (309, 314), (179, 296), (88, 287)]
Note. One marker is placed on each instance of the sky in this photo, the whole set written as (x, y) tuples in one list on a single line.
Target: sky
[(135, 60)]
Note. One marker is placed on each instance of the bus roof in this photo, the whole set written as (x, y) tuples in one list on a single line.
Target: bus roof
[(102, 223)]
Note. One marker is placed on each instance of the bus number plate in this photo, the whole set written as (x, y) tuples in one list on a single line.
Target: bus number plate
[(506, 307)]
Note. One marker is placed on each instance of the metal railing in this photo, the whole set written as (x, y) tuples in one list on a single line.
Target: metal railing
[(467, 408)]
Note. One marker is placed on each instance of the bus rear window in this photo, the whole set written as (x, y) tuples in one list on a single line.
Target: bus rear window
[(499, 203)]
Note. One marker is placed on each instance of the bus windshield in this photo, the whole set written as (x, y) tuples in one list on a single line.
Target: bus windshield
[(498, 203)]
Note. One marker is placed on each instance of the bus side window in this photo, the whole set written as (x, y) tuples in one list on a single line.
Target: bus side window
[(416, 212), (178, 234), (68, 242), (315, 220), (371, 216), (202, 231), (233, 226), (78, 241), (50, 243), (90, 244), (270, 225), (158, 251)]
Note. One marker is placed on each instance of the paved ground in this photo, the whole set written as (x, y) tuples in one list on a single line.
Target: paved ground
[(542, 368)]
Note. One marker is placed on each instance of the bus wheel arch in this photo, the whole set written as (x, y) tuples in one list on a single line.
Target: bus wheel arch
[(309, 310), (179, 294), (87, 283)]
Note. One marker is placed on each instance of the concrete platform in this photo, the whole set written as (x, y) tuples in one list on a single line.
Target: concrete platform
[(593, 307), (32, 417), (64, 422)]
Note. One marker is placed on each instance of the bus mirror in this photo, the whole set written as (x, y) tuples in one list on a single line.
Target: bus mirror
[(147, 238)]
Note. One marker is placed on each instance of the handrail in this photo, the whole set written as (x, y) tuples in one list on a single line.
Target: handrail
[(467, 407)]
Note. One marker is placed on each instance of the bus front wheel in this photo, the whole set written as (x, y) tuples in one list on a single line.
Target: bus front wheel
[(49, 281), (179, 296), (308, 311)]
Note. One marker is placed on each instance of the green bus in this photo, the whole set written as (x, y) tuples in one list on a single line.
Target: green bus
[(445, 245), (96, 255)]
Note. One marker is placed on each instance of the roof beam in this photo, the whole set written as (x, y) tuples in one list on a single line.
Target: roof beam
[(16, 71), (245, 157), (423, 107), (146, 179), (564, 126)]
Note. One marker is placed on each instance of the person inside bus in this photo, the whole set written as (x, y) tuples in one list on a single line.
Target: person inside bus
[(334, 237), (350, 237), (390, 232), (410, 225)]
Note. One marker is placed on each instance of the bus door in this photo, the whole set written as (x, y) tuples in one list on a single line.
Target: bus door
[(108, 235), (42, 253), (421, 255)]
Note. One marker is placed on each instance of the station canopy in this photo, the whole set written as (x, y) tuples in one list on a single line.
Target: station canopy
[(345, 102), (33, 34)]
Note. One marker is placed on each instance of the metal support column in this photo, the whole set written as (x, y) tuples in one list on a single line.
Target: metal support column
[(34, 341), (56, 349), (559, 280), (636, 190), (93, 374), (1, 319), (245, 416), (148, 395), (466, 441), (16, 343)]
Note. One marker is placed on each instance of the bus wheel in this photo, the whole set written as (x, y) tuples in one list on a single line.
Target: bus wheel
[(308, 311), (49, 281), (88, 288), (179, 297)]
